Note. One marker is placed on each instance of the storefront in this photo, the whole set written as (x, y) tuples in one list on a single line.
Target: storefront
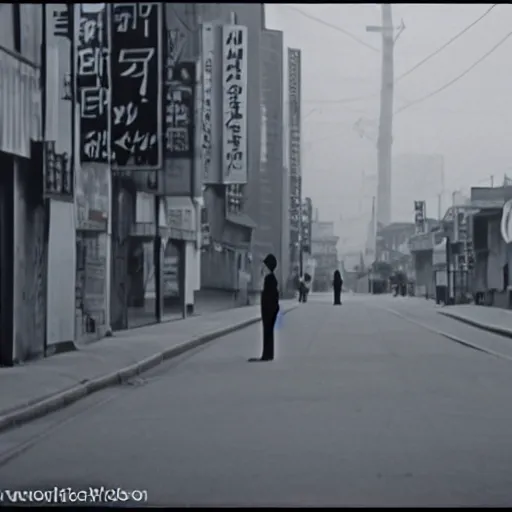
[(91, 295), (443, 274), (180, 257)]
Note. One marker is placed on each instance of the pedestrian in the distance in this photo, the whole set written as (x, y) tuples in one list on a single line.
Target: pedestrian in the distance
[(301, 289), (269, 308), (307, 285), (337, 284)]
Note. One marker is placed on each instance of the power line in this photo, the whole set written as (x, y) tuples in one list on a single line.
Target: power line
[(334, 27), (456, 79), (416, 66), (445, 45), (341, 101)]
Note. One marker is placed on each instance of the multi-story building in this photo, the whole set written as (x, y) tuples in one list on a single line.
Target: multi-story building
[(232, 202), (107, 236), (292, 103), (416, 177), (274, 201), (323, 250), (23, 216)]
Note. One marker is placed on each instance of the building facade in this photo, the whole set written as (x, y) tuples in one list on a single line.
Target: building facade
[(274, 200), (417, 177), (231, 202), (324, 252), (23, 216)]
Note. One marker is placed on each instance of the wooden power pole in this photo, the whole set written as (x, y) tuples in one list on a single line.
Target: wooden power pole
[(385, 139)]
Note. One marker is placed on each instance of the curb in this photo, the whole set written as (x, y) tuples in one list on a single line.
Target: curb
[(489, 328), (451, 337), (57, 401)]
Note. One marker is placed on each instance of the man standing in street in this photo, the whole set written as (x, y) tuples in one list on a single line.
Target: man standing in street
[(269, 308)]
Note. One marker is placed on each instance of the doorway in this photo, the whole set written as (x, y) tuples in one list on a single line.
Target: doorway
[(6, 260)]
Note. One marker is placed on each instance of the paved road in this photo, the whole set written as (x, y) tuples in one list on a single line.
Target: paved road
[(360, 408)]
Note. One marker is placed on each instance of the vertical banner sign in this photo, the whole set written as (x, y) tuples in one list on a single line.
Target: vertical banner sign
[(234, 104), (307, 212), (180, 110), (136, 71), (207, 52), (264, 138), (419, 216), (294, 110), (92, 81)]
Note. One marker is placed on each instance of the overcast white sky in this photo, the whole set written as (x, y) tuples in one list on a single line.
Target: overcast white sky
[(470, 123)]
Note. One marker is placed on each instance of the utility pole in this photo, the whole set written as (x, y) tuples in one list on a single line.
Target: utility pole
[(385, 138)]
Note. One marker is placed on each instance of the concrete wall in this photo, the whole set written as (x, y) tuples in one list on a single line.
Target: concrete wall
[(61, 273)]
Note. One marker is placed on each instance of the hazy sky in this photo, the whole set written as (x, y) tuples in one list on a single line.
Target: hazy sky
[(470, 122)]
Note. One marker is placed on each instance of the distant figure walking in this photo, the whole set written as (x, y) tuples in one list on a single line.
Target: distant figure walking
[(269, 308), (304, 284), (337, 284)]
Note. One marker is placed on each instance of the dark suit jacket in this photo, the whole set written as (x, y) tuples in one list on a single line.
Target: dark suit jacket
[(269, 297)]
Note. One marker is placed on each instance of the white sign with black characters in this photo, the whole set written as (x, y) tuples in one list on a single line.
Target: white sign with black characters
[(92, 67), (207, 55), (234, 82)]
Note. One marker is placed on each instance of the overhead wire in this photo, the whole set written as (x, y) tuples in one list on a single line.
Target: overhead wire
[(334, 27), (456, 79), (445, 45), (417, 65)]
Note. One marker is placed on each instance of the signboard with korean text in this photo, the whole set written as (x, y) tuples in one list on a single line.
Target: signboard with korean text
[(205, 228), (136, 91), (294, 141), (307, 220), (294, 97), (264, 129), (180, 110), (420, 216), (207, 110), (92, 72), (181, 220), (234, 104)]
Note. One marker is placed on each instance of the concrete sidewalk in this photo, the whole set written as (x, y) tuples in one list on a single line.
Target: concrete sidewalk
[(495, 320), (37, 388)]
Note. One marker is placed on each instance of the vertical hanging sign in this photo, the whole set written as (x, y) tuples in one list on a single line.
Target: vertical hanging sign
[(92, 81), (180, 110), (419, 216), (234, 104), (207, 115), (294, 98), (136, 71)]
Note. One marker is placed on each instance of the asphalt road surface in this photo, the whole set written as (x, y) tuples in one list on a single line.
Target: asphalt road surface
[(360, 408)]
